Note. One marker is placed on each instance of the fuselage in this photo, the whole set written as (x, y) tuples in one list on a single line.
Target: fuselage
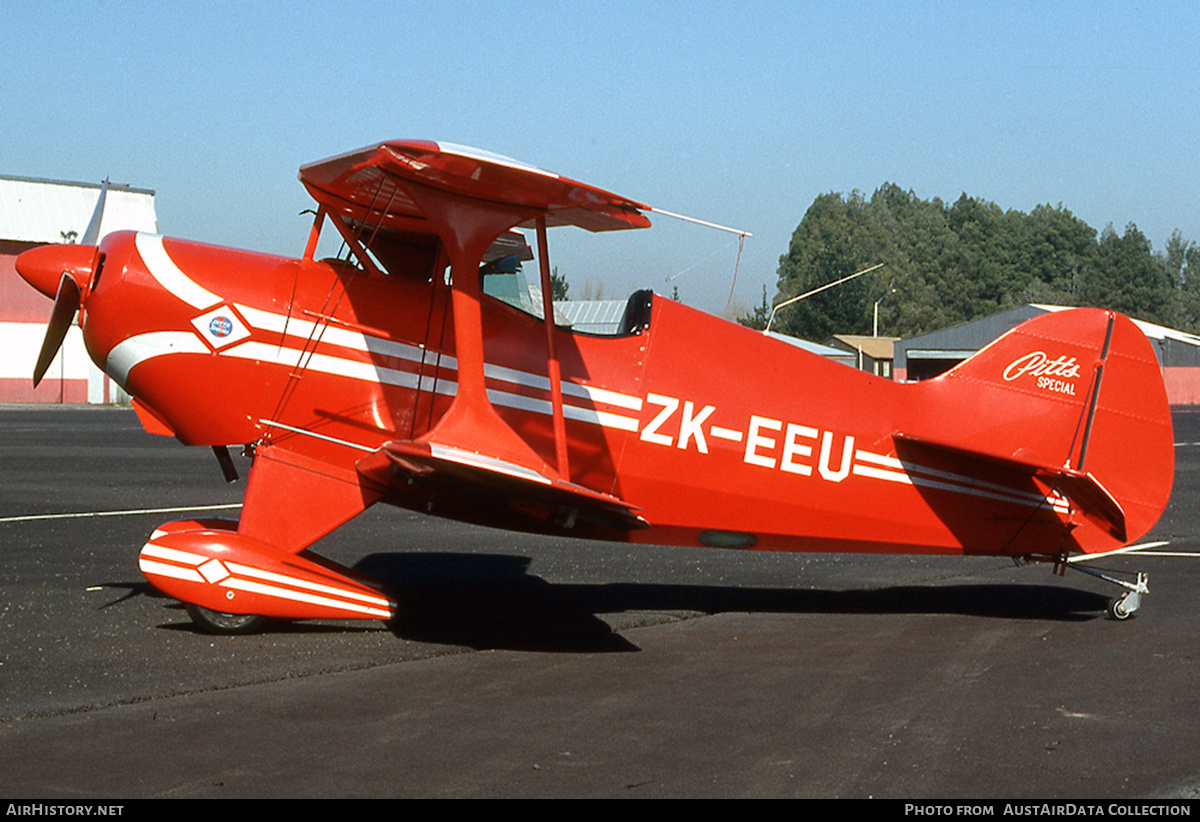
[(720, 435)]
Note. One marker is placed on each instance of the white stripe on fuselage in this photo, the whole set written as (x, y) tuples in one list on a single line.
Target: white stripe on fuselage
[(134, 350), (162, 268)]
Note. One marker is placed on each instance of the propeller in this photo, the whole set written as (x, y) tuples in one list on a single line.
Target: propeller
[(73, 267), (66, 303)]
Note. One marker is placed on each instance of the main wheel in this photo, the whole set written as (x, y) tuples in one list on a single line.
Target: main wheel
[(216, 622)]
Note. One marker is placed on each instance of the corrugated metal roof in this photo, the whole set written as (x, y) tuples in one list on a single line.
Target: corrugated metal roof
[(591, 316), (588, 316), (829, 353), (962, 340), (1154, 332), (877, 348), (46, 211)]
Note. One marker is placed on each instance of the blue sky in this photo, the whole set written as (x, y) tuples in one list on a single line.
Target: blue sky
[(738, 113)]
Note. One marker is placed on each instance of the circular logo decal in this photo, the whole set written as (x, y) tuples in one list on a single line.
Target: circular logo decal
[(220, 326)]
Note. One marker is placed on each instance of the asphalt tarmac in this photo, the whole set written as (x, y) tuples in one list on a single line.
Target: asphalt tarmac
[(536, 667)]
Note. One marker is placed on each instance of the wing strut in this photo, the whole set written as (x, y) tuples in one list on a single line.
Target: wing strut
[(467, 227), (552, 367), (314, 234)]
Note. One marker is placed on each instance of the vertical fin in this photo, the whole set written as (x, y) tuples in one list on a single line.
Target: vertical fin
[(1077, 395)]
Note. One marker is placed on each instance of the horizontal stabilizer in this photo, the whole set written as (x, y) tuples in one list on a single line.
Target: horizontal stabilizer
[(520, 483), (1093, 499), (1086, 492)]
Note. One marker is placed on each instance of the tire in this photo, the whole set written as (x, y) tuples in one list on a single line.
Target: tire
[(216, 622), (1116, 609)]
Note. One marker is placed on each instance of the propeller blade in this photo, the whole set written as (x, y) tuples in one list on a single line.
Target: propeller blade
[(91, 234), (66, 303)]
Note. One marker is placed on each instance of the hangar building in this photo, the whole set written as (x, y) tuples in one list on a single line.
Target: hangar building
[(35, 212), (874, 354), (927, 355)]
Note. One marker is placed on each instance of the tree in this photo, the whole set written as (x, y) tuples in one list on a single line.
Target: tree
[(950, 264), (558, 285), (1058, 249), (1128, 278), (1181, 265), (836, 238), (757, 319)]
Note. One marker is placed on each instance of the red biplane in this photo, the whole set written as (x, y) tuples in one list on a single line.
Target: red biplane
[(392, 376)]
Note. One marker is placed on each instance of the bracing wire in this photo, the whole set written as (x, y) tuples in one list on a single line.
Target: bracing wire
[(688, 268)]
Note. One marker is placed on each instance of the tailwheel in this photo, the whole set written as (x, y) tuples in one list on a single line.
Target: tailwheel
[(1122, 607), (216, 622)]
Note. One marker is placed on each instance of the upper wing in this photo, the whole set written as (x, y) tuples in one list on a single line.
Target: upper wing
[(360, 185)]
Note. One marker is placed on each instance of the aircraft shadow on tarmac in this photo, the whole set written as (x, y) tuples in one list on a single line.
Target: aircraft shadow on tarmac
[(490, 601)]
